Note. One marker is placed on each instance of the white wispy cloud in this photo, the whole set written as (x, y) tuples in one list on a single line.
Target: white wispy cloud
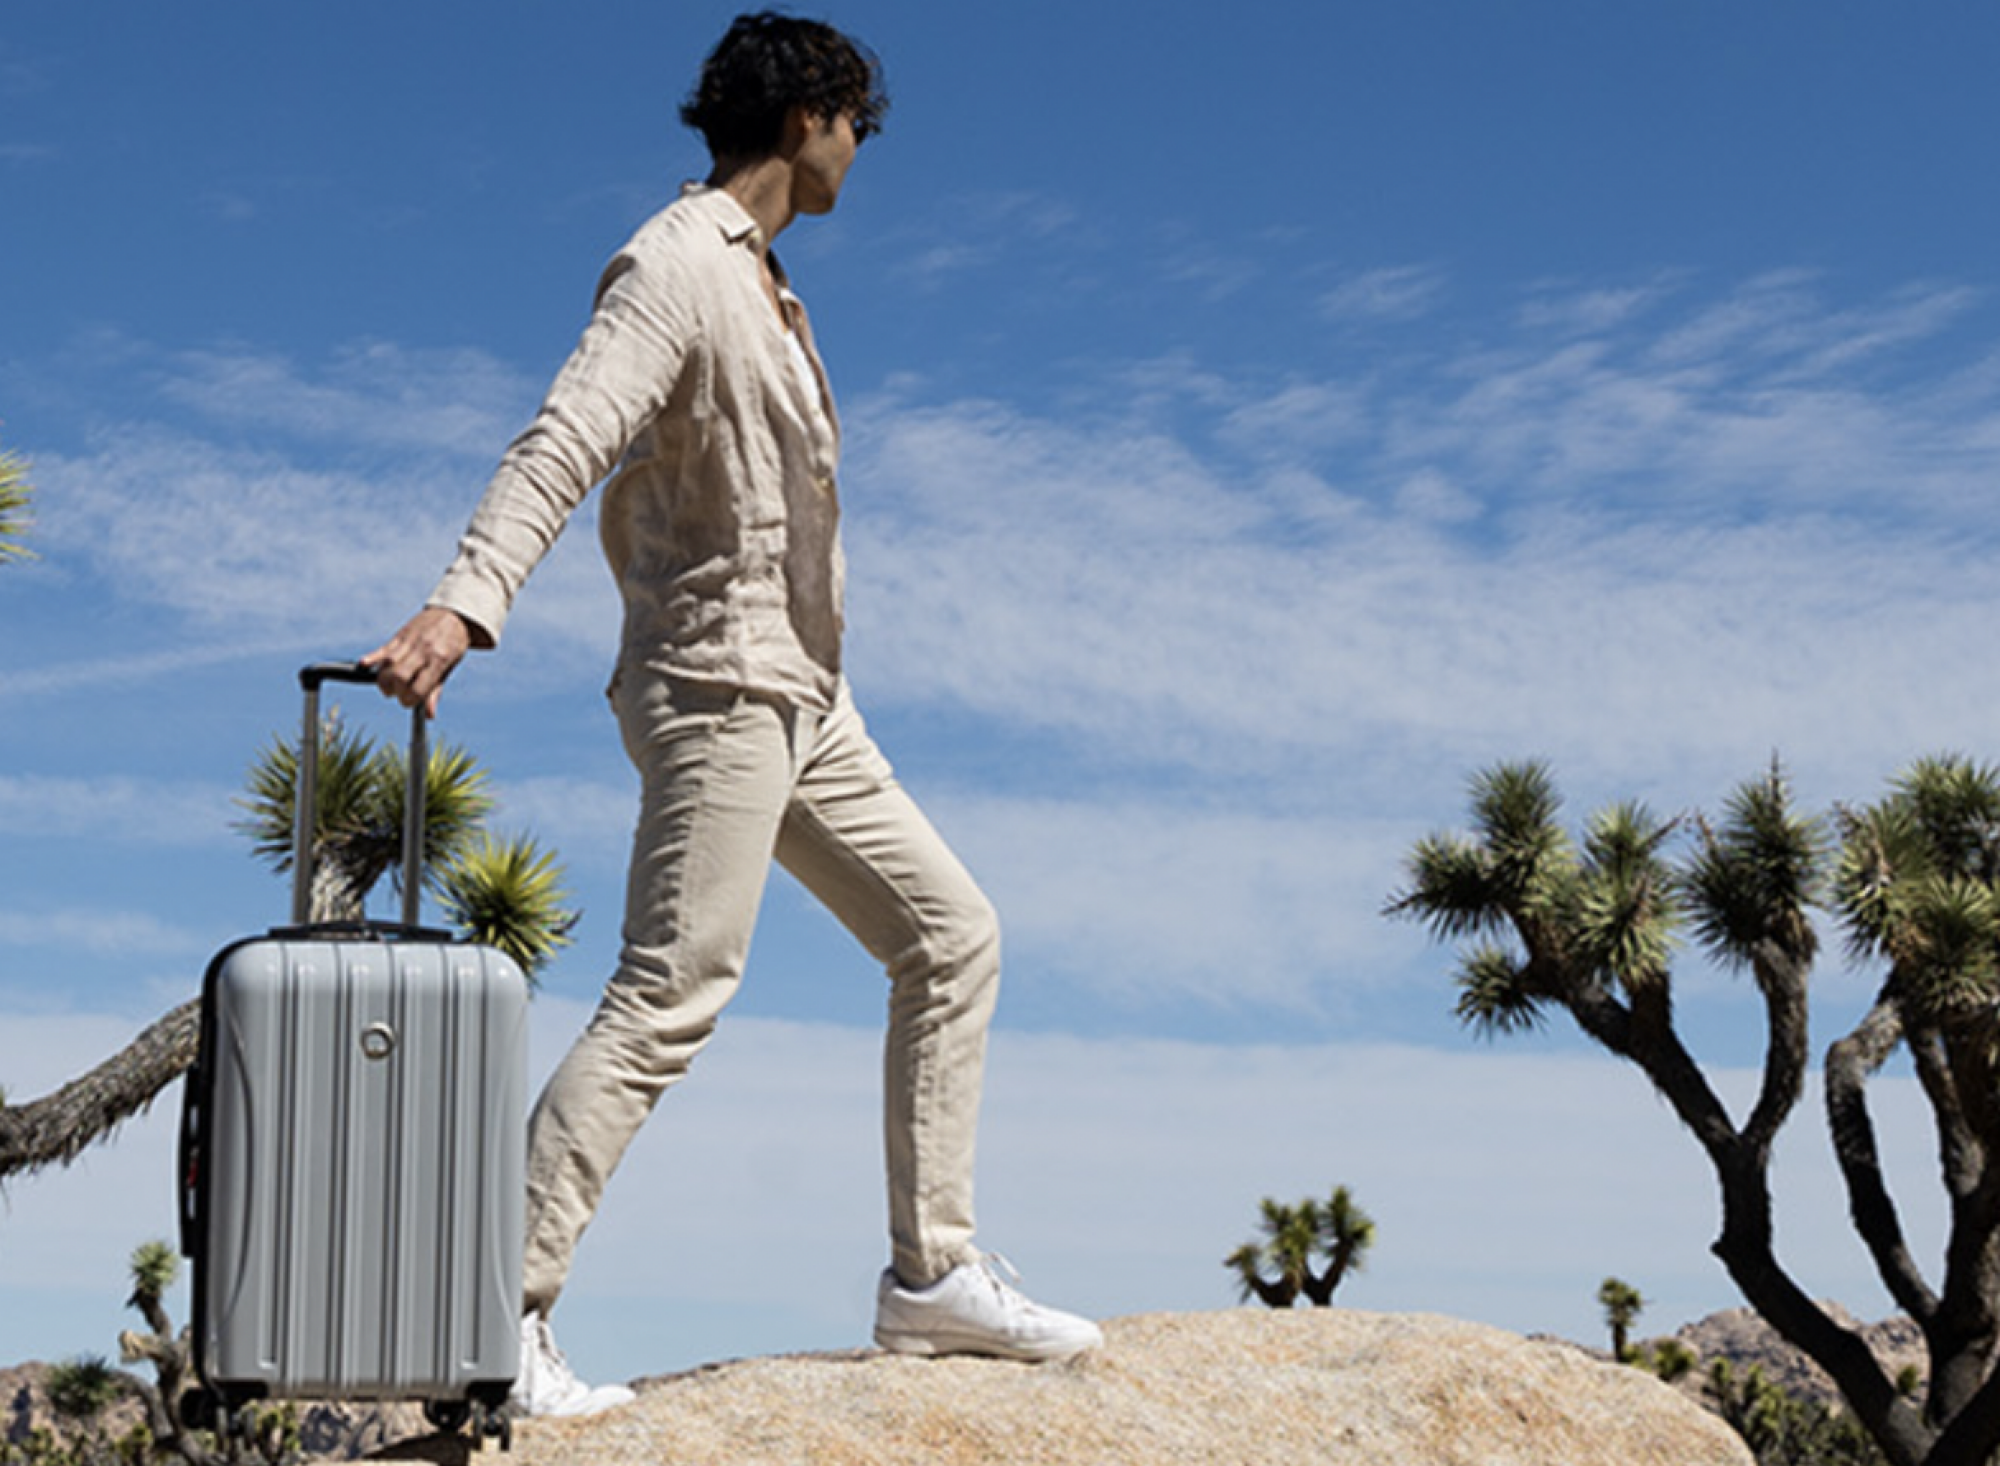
[(1567, 308), (240, 537), (1660, 551), (1147, 901), (1389, 293), (34, 807), (1532, 525), (1117, 591), (72, 676), (976, 232), (266, 504), (108, 933), (460, 403)]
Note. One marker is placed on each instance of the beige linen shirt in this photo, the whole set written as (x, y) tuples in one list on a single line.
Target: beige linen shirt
[(721, 520)]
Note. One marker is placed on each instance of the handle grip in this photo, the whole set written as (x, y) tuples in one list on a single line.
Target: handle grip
[(311, 677), (305, 793)]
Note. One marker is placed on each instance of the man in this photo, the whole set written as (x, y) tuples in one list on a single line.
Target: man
[(697, 388)]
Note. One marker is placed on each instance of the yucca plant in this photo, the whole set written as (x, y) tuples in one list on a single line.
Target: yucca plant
[(358, 826), (81, 1389), (508, 893), (15, 497)]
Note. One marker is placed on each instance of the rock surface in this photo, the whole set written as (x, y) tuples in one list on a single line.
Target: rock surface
[(1241, 1387)]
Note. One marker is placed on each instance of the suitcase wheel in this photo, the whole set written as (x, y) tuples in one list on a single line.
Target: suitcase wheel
[(493, 1422), (448, 1416), (198, 1409)]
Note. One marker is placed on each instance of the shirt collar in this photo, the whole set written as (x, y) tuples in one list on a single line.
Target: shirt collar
[(730, 217)]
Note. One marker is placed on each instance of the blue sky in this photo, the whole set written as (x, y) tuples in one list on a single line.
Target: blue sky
[(1258, 419)]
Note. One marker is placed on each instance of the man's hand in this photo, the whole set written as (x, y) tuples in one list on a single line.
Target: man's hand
[(413, 664)]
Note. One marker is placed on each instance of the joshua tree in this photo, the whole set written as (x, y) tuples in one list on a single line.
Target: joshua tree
[(1589, 928), (1622, 1307), (273, 1434), (1336, 1229), (15, 497), (505, 892), (154, 1268)]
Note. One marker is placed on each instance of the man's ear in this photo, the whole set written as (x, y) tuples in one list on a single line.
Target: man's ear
[(797, 128)]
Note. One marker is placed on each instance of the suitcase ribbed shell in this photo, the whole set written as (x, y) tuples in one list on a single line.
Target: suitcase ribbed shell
[(358, 1202)]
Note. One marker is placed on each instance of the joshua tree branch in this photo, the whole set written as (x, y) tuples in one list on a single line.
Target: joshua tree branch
[(61, 1126), (1781, 976), (1653, 1045), (1849, 1063), (1959, 1149)]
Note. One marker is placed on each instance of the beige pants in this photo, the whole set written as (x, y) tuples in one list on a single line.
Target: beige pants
[(730, 781)]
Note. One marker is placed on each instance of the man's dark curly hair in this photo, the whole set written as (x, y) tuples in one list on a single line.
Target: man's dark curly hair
[(769, 63)]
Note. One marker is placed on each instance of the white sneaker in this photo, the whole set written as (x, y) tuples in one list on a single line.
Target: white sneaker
[(547, 1385), (973, 1309)]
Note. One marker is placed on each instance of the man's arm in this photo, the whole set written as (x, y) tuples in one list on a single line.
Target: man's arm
[(414, 663), (614, 382)]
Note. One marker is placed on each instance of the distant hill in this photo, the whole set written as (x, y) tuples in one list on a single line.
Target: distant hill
[(1744, 1339)]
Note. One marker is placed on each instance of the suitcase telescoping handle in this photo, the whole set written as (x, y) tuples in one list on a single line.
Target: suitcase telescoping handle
[(306, 794)]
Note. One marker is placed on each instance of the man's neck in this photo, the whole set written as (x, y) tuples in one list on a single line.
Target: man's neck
[(763, 186)]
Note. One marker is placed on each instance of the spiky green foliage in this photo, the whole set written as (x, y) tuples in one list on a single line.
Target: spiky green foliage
[(80, 1389), (509, 894), (1667, 1359), (456, 804), (1918, 884), (352, 796), (1514, 810), (154, 1266), (1279, 1269), (1291, 1235), (1783, 1429), (1622, 1304), (505, 892), (358, 823), (1626, 909), (1752, 878), (16, 495), (1494, 997), (1600, 916), (361, 787)]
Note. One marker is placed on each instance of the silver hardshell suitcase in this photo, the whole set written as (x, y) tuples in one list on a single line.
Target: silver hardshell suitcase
[(352, 1153)]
